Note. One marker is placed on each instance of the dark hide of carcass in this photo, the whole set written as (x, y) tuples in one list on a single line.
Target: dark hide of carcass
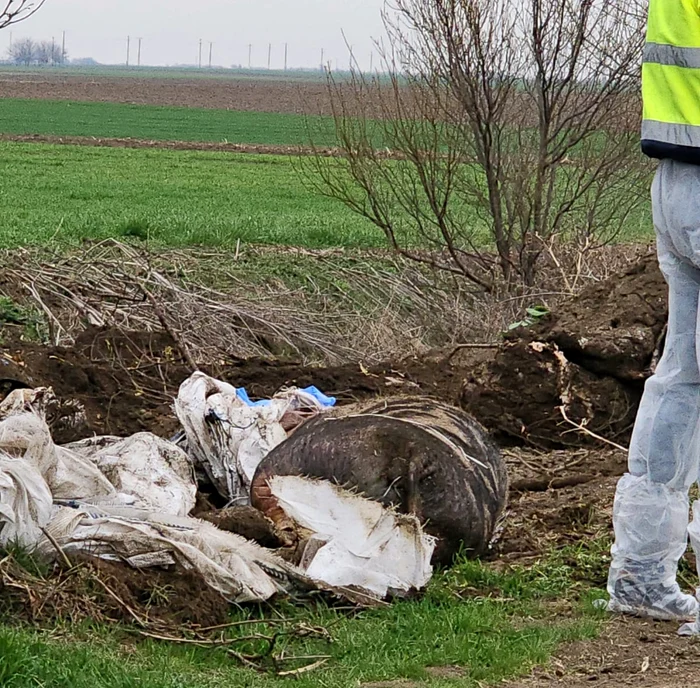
[(419, 456)]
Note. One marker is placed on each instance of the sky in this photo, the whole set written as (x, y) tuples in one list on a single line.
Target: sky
[(172, 29)]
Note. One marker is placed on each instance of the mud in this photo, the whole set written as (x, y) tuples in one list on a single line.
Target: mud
[(584, 367)]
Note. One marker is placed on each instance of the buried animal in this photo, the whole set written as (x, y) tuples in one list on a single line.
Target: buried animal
[(418, 456)]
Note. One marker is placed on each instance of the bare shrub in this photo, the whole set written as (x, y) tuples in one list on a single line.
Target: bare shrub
[(499, 133)]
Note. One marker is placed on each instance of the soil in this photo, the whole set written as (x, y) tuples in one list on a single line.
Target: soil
[(93, 141), (581, 371), (127, 380), (630, 652), (255, 95)]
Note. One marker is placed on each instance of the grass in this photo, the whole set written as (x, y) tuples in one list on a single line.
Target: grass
[(492, 625), (159, 123), (65, 194)]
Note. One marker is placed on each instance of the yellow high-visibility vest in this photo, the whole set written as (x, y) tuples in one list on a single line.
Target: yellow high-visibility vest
[(671, 81)]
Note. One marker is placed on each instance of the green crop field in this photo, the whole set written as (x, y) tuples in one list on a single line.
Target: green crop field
[(65, 118), (178, 198)]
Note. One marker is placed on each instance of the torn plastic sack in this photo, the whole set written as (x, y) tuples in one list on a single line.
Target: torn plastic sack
[(229, 438), (24, 433), (240, 570), (156, 473), (26, 504), (355, 542)]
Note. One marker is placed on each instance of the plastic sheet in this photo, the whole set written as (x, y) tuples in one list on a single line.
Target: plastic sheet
[(127, 500), (228, 435), (356, 542)]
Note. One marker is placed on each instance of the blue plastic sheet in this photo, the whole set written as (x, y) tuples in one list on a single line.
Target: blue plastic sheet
[(325, 401)]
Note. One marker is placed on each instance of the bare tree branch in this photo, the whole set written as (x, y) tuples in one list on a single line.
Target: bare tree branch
[(18, 10)]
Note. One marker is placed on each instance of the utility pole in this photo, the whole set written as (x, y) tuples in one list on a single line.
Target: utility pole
[(250, 55), (371, 62), (323, 55), (200, 53), (211, 51), (286, 54), (138, 61), (10, 40), (53, 50), (269, 57), (128, 49), (63, 48)]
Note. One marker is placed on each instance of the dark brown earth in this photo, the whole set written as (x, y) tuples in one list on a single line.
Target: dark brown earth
[(630, 652), (255, 95), (583, 366), (128, 380)]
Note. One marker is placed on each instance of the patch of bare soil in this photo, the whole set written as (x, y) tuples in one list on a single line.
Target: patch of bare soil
[(127, 380), (630, 652), (94, 141), (96, 590), (558, 499), (273, 95)]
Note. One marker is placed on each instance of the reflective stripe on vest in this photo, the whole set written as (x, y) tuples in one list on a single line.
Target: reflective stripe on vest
[(671, 55), (671, 74)]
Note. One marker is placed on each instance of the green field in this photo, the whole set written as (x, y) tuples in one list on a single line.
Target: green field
[(114, 120), (178, 198), (64, 194)]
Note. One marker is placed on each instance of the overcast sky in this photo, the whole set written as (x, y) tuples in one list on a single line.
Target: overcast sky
[(171, 30)]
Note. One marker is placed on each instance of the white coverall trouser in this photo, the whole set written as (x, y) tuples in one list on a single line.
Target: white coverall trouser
[(651, 503)]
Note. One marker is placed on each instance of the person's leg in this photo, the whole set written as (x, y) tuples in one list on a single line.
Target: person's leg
[(651, 504)]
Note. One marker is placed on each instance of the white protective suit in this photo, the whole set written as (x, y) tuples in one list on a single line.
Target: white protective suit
[(651, 504)]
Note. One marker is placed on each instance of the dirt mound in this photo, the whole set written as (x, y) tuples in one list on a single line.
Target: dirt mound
[(96, 590), (584, 366), (127, 380), (614, 327)]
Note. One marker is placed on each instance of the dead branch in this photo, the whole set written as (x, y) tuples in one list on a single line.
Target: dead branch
[(580, 427)]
